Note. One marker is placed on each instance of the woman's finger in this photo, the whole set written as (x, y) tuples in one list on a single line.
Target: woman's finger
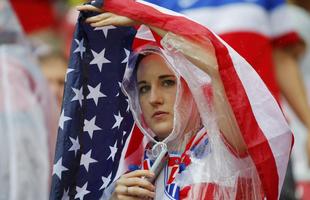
[(123, 197), (121, 189), (89, 8), (136, 181), (139, 173), (116, 21), (98, 18), (134, 191), (102, 23), (140, 192)]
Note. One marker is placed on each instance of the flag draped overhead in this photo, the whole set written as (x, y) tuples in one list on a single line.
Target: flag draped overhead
[(96, 129), (257, 22)]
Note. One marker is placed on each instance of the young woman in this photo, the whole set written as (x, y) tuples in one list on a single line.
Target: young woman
[(178, 101)]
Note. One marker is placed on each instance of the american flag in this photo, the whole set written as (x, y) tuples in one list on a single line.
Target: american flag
[(95, 120)]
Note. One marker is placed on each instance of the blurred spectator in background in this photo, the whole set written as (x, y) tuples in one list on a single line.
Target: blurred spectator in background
[(286, 55), (300, 17), (27, 115), (54, 66), (47, 34)]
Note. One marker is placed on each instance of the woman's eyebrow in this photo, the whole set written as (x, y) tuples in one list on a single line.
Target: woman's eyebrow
[(166, 76), (160, 77), (141, 82)]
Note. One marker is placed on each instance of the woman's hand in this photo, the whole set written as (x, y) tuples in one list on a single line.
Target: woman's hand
[(134, 186), (106, 18)]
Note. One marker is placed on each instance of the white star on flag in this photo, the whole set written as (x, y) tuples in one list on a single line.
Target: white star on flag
[(75, 145), (68, 71), (99, 59), (65, 195), (120, 85), (80, 47), (105, 29), (95, 94), (63, 119), (127, 56), (86, 160), (118, 120), (81, 192), (113, 151), (58, 168), (106, 181), (78, 95), (90, 127)]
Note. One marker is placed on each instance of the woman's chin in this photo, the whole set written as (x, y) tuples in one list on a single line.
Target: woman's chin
[(162, 133)]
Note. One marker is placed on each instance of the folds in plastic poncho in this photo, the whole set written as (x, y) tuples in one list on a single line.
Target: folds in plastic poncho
[(207, 166), (27, 116)]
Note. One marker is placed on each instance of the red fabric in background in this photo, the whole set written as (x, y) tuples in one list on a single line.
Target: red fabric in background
[(303, 190), (34, 14), (257, 50), (287, 40)]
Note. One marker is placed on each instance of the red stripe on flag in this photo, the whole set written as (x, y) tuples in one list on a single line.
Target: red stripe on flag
[(135, 142), (258, 147), (146, 165)]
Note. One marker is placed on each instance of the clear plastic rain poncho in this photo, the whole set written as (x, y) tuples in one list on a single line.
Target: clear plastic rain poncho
[(27, 116), (239, 143), (210, 166)]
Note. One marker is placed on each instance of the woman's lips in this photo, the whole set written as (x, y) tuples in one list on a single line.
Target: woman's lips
[(159, 114)]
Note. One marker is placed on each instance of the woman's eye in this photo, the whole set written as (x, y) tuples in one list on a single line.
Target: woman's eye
[(144, 89), (168, 83)]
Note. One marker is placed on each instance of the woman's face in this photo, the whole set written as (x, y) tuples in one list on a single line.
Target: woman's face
[(157, 92)]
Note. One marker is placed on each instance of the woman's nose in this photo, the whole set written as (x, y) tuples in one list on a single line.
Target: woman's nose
[(155, 97)]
